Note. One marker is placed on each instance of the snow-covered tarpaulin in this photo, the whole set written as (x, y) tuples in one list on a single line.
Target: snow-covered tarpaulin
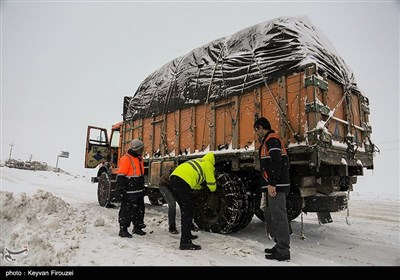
[(238, 63)]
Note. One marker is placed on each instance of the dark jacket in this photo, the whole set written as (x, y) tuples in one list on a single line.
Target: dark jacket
[(274, 163)]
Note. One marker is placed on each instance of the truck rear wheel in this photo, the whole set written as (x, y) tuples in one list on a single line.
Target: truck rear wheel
[(104, 190), (229, 209)]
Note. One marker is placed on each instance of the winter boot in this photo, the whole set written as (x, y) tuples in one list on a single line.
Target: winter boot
[(278, 256), (123, 232), (272, 250), (142, 225), (137, 230), (193, 236), (194, 227), (173, 230), (189, 246)]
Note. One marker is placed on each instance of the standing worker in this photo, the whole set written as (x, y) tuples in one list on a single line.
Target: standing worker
[(274, 179), (187, 177), (130, 184)]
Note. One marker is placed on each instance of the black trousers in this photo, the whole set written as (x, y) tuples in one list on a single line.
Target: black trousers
[(132, 210), (184, 195)]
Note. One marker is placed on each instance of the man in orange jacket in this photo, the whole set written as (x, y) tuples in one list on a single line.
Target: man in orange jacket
[(130, 183)]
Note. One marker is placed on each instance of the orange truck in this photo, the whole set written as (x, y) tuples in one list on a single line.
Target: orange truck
[(207, 100)]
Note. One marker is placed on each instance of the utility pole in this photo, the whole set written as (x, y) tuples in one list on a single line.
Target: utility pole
[(30, 158), (9, 157)]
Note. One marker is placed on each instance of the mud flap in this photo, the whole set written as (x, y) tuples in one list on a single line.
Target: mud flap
[(324, 217)]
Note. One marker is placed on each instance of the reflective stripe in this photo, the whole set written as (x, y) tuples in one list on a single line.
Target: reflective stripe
[(277, 185), (270, 156), (265, 175), (196, 166), (276, 136), (203, 177), (134, 191), (273, 149), (282, 185), (133, 166), (264, 150)]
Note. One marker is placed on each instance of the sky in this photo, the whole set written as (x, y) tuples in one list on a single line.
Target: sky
[(54, 219), (68, 64)]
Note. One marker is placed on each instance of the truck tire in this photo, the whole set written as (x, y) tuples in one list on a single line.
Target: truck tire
[(104, 190), (248, 201), (229, 209)]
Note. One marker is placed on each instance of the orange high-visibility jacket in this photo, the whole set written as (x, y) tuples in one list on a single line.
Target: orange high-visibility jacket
[(131, 166)]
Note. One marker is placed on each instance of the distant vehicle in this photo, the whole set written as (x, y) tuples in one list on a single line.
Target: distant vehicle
[(28, 165), (11, 163), (37, 165), (208, 100)]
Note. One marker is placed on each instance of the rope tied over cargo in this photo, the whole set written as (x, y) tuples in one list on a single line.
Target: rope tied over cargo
[(331, 113), (281, 112), (213, 73)]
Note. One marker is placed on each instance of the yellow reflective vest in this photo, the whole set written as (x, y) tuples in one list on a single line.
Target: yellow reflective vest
[(196, 171)]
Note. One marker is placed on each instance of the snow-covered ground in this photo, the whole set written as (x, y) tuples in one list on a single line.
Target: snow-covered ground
[(53, 219)]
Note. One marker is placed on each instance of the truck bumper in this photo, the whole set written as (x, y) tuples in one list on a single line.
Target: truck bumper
[(334, 202)]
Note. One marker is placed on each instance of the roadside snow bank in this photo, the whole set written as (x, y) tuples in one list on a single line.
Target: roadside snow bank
[(47, 226)]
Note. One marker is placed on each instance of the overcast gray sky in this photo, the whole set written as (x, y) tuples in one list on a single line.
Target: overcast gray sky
[(66, 65)]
